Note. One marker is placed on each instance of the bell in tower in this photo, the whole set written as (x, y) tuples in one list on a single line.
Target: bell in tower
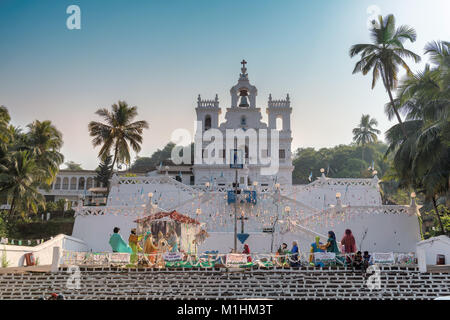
[(244, 100)]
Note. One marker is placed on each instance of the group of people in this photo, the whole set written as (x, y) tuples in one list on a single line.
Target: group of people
[(353, 257), (151, 245), (288, 257)]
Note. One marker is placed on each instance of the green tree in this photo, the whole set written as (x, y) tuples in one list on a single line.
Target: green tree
[(366, 133), (343, 161), (385, 55), (118, 132), (44, 142), (422, 159), (145, 164), (72, 166), (19, 182), (104, 171), (5, 133)]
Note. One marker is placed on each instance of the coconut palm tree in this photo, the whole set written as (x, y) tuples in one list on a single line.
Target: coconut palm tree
[(422, 159), (385, 55), (4, 124), (19, 182), (117, 133), (366, 132), (44, 142)]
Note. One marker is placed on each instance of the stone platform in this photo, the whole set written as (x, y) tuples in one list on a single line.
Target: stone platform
[(302, 283)]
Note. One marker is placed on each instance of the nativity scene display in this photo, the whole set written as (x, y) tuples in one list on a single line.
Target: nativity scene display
[(161, 239)]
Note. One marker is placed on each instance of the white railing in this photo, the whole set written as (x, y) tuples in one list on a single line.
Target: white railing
[(211, 258)]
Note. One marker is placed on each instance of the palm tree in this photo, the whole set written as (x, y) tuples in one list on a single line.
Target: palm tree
[(422, 160), (44, 142), (366, 132), (19, 182), (4, 123), (384, 56), (117, 133)]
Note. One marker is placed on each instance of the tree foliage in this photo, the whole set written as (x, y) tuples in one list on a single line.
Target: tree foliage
[(118, 133), (422, 158), (343, 161), (28, 161)]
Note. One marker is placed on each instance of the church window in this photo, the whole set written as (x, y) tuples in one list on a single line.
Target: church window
[(279, 123), (207, 122)]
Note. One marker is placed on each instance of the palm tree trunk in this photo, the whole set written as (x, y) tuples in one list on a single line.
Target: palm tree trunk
[(112, 168), (362, 158), (114, 159), (438, 215), (397, 114), (388, 89), (11, 209)]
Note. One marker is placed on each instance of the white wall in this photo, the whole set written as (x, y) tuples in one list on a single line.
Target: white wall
[(96, 230), (43, 252), (432, 247)]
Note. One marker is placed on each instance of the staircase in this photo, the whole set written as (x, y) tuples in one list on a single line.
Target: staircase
[(303, 283)]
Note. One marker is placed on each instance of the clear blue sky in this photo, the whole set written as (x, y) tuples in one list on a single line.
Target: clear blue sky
[(159, 55)]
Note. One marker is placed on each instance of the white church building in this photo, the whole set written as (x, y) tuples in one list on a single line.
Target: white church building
[(270, 209), (244, 117)]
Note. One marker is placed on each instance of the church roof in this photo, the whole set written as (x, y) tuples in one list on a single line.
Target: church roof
[(174, 215)]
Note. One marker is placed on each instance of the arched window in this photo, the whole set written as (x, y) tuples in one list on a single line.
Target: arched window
[(65, 184), (89, 183), (207, 122), (73, 183), (279, 123), (81, 183), (243, 121), (58, 183)]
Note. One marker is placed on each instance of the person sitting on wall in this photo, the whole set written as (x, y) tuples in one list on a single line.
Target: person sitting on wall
[(315, 247), (366, 258), (349, 245), (117, 243), (149, 247), (294, 255), (247, 252), (358, 261), (282, 253), (133, 241)]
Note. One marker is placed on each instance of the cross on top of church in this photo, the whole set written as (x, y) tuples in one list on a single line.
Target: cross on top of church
[(243, 69)]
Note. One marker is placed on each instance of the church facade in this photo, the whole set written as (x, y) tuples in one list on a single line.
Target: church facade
[(265, 148)]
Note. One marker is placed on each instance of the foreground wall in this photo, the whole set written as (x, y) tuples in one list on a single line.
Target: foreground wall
[(43, 252)]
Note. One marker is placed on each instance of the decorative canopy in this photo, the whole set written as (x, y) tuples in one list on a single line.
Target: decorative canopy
[(174, 215)]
